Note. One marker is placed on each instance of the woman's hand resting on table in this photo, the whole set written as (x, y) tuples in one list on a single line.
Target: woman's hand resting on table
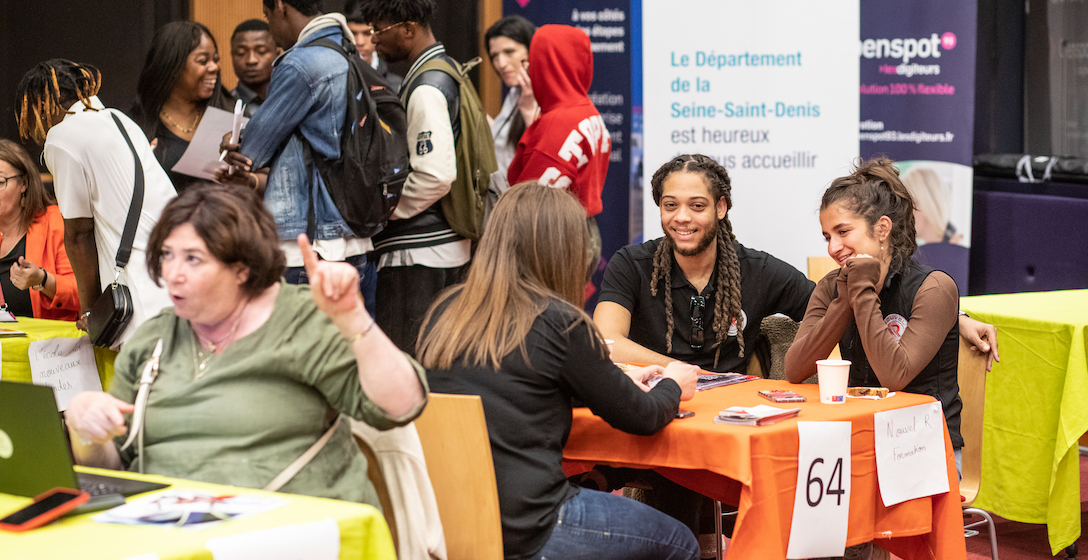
[(95, 417), (685, 375)]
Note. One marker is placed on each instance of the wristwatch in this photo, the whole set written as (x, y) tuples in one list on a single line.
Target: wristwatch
[(45, 277)]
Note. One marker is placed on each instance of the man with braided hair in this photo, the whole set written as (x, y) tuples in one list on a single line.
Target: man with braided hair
[(94, 176), (695, 295)]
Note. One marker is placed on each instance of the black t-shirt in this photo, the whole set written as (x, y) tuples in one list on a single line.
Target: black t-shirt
[(18, 300), (170, 149), (767, 286), (528, 412)]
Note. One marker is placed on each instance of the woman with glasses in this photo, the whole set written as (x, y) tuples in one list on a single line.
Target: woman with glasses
[(35, 275), (515, 334)]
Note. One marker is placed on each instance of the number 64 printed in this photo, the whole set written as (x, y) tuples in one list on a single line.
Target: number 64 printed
[(821, 505)]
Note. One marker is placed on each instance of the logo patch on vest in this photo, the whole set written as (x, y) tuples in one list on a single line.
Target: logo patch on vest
[(896, 325), (423, 144), (743, 324)]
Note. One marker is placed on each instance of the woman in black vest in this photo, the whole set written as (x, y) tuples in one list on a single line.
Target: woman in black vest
[(894, 319)]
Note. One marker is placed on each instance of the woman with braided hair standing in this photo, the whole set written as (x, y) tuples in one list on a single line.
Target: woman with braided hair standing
[(94, 176)]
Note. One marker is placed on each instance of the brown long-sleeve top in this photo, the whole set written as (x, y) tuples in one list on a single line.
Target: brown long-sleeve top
[(895, 363)]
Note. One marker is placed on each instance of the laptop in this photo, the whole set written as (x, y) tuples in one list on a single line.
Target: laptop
[(34, 453)]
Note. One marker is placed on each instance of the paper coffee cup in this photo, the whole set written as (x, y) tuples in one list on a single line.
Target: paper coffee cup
[(609, 343), (833, 376)]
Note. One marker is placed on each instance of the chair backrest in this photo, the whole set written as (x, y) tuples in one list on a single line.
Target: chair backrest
[(818, 267), (972, 379), (458, 453)]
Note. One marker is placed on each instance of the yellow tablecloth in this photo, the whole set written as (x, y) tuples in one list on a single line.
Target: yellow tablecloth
[(16, 364), (1036, 409), (363, 532)]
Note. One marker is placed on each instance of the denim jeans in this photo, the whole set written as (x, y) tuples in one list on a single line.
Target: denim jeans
[(368, 278), (601, 526)]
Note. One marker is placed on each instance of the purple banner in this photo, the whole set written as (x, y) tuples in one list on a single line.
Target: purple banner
[(917, 107)]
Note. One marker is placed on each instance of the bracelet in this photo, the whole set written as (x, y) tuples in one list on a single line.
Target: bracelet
[(45, 278), (85, 315), (256, 180), (964, 314), (359, 336)]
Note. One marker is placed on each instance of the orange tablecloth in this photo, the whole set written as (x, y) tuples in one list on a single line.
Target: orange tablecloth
[(755, 468)]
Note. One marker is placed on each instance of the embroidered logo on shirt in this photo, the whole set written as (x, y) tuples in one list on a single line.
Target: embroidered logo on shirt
[(743, 323), (423, 144), (896, 325)]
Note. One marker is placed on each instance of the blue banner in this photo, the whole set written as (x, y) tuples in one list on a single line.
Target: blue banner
[(917, 107), (608, 24)]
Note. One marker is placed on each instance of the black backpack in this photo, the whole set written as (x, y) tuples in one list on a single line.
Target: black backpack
[(366, 181)]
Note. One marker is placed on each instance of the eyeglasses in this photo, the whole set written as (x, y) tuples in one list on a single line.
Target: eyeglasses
[(698, 306), (4, 182), (375, 32)]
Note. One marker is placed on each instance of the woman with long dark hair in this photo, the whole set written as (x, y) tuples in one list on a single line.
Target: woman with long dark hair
[(515, 334), (180, 79)]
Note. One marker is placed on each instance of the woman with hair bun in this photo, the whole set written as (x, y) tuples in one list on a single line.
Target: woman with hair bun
[(893, 318)]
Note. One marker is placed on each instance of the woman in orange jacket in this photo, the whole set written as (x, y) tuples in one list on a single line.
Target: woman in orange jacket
[(35, 276)]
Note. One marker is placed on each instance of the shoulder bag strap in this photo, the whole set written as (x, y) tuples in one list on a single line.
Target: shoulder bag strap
[(303, 460), (124, 250)]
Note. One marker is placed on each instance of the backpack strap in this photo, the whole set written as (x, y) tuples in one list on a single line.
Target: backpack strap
[(443, 75)]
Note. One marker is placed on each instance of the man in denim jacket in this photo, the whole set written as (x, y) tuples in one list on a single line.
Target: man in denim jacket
[(305, 96)]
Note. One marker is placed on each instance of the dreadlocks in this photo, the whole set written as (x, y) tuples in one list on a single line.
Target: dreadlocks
[(727, 289), (50, 88)]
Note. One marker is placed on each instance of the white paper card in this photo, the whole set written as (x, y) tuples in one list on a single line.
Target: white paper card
[(821, 505), (201, 158), (143, 557), (65, 364), (910, 454), (319, 540)]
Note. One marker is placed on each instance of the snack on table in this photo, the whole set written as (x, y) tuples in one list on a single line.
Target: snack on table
[(880, 392)]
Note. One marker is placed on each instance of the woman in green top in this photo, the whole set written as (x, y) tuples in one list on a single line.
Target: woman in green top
[(252, 371)]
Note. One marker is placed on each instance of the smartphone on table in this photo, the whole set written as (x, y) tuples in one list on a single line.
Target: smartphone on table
[(45, 508)]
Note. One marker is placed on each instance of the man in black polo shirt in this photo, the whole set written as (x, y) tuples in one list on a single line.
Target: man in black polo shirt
[(660, 300)]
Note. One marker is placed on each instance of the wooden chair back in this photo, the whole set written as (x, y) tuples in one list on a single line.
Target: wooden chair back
[(972, 379), (818, 267), (458, 453)]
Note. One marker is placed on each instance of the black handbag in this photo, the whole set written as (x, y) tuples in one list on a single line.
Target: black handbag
[(113, 310)]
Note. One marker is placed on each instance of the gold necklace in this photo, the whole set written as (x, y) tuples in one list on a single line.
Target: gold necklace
[(196, 119), (199, 358)]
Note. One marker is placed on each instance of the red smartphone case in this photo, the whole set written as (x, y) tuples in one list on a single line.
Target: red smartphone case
[(79, 497)]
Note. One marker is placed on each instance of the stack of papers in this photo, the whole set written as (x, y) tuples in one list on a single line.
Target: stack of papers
[(711, 380), (759, 415), (187, 508)]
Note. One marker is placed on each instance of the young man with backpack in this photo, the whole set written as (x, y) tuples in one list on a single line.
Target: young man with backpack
[(297, 135), (426, 245)]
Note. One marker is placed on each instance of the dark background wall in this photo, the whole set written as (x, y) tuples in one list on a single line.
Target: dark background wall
[(113, 35)]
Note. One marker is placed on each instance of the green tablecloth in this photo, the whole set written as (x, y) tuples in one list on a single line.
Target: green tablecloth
[(1036, 409), (363, 532), (16, 360)]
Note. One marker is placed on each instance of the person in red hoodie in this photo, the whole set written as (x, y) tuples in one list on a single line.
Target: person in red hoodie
[(568, 145)]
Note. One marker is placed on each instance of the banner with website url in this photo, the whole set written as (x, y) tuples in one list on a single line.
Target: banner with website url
[(917, 108)]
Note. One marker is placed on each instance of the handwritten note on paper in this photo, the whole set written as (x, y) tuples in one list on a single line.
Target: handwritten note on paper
[(65, 364), (821, 503), (319, 540), (910, 454)]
